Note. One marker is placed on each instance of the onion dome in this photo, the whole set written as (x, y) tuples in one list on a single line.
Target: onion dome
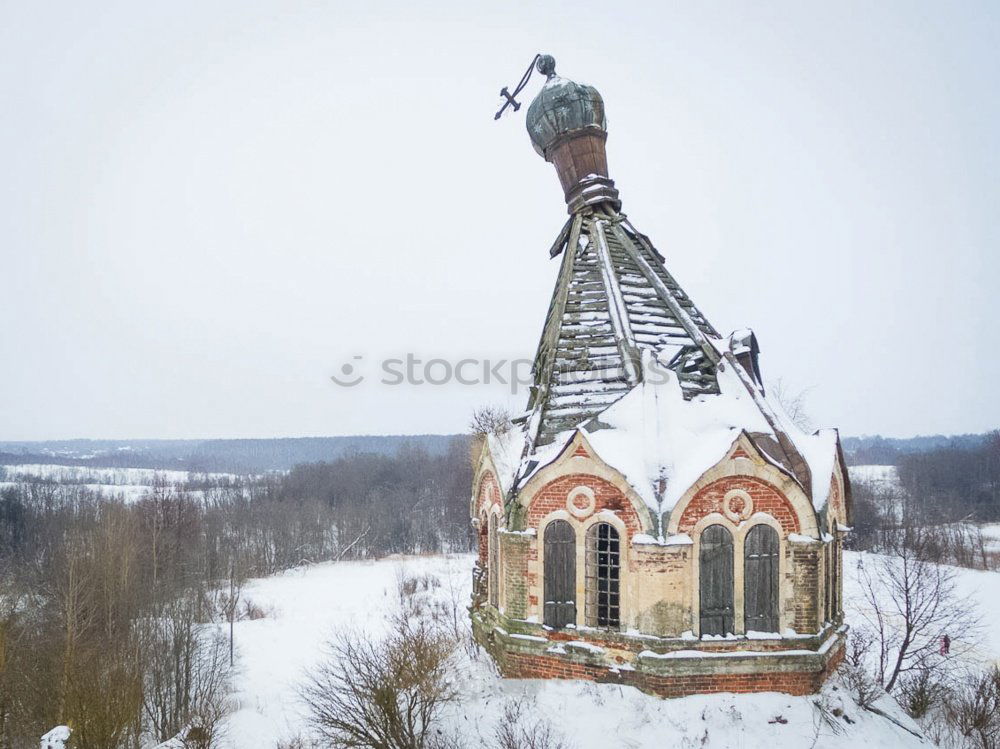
[(561, 108), (567, 127)]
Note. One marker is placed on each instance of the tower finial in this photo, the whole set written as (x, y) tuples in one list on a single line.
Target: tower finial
[(546, 65), (567, 127)]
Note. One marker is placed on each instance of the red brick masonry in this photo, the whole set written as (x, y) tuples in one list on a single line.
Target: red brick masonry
[(524, 666), (766, 498)]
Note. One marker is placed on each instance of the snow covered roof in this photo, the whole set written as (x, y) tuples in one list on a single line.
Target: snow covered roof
[(506, 450), (627, 357), (663, 442), (613, 300)]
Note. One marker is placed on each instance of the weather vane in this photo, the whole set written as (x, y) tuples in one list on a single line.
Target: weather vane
[(546, 66)]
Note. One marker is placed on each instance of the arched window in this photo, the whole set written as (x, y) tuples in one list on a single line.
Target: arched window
[(603, 579), (559, 575), (828, 583), (493, 563), (838, 559), (760, 579), (715, 564)]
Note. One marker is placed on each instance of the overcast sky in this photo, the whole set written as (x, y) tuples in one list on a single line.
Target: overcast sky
[(207, 208)]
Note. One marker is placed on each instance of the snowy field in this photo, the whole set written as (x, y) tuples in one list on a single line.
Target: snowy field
[(128, 484), (981, 588), (310, 604), (886, 475)]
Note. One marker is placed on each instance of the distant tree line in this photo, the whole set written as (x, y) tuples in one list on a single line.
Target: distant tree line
[(227, 455), (949, 492), (113, 615), (889, 451)]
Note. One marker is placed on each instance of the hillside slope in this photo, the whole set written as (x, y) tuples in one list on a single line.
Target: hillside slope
[(309, 604)]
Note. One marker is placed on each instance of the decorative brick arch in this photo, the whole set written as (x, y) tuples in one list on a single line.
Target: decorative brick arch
[(606, 496), (766, 499), (610, 489), (836, 501), (487, 495)]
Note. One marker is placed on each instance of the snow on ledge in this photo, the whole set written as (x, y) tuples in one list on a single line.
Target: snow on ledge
[(529, 638), (588, 646), (652, 655), (528, 532), (678, 539), (798, 538)]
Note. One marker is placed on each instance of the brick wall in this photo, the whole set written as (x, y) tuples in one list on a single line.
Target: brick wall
[(489, 494), (530, 666), (804, 573), (514, 553), (765, 497), (607, 496)]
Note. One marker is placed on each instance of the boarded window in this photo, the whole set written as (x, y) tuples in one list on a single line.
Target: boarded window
[(715, 562), (560, 575), (760, 579), (828, 583), (838, 559), (603, 576), (494, 562)]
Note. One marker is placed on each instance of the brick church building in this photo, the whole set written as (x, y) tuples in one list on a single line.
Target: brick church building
[(654, 518)]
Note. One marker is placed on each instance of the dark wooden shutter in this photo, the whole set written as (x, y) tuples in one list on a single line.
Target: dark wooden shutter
[(838, 558), (560, 574), (760, 579), (716, 580), (827, 584)]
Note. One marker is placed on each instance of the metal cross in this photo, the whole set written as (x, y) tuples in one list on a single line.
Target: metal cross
[(511, 101)]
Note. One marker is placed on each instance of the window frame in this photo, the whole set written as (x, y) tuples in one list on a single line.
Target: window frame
[(603, 569)]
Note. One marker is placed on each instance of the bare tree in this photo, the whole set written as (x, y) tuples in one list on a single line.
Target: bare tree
[(186, 673), (490, 420), (911, 605), (794, 403)]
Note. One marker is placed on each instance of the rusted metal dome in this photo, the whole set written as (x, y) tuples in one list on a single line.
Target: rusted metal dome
[(561, 109)]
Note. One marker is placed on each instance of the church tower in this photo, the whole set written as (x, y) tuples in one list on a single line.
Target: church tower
[(653, 508)]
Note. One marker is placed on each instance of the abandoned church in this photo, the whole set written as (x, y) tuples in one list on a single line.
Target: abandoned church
[(654, 518)]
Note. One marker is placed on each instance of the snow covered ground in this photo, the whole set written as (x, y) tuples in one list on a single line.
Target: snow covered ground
[(887, 475), (129, 484), (310, 603)]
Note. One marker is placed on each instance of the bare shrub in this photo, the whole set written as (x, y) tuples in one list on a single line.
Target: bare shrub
[(252, 610), (825, 718), (417, 599), (516, 730), (384, 694), (859, 645), (490, 420), (863, 687), (920, 692), (974, 710)]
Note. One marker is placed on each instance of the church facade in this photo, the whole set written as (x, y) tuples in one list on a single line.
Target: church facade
[(654, 518)]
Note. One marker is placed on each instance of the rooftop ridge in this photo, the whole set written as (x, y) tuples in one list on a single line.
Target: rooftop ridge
[(613, 300)]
